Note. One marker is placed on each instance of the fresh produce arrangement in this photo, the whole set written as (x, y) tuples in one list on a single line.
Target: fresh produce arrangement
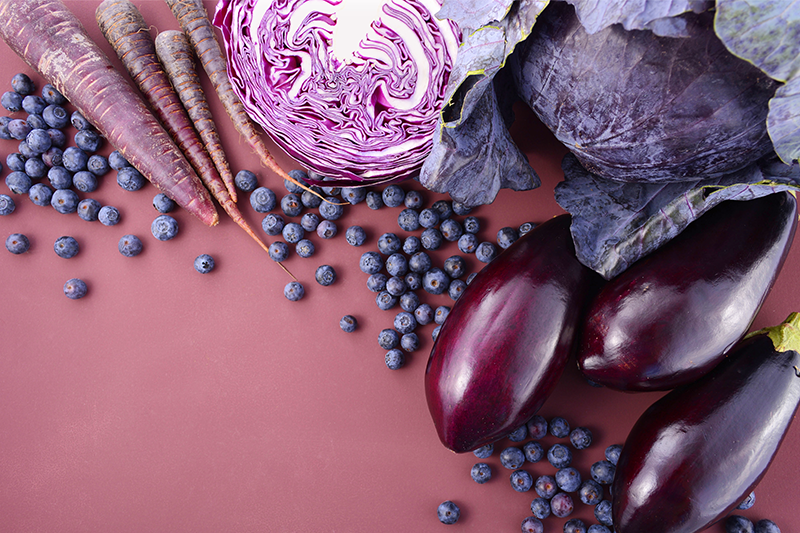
[(680, 216)]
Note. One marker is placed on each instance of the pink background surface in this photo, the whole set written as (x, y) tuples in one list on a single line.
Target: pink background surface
[(167, 400)]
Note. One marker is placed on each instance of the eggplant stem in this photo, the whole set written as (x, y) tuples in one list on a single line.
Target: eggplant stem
[(784, 337)]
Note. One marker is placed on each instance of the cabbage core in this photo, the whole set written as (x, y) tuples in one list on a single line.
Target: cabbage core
[(349, 88)]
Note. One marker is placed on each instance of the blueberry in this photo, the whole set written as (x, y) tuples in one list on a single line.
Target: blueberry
[(409, 342), (534, 451), (561, 505), (559, 455), (75, 159), (455, 266), (747, 503), (52, 96), (17, 243), (451, 230), (19, 129), (60, 178), (512, 458), (409, 301), (545, 486), (35, 167), (304, 248), (18, 182), (40, 194), (394, 359), (558, 427), (129, 178), (506, 237), (164, 227), (330, 209), (89, 209), (293, 232), (263, 200), (411, 245), (385, 300), (355, 236), (431, 239), (467, 243), (393, 196), (57, 137), (294, 291), (245, 181), (55, 116), (85, 181), (484, 452), (471, 225), (12, 101), (291, 205), (396, 286), (15, 161), (590, 492), (481, 473), (39, 141), (21, 83), (389, 243), (33, 104), (36, 122), (278, 251), (309, 221), (53, 157), (540, 508), (444, 208), (423, 313), (348, 323), (420, 262), (370, 262), (78, 121), (98, 165), (374, 200), (64, 201), (377, 282), (408, 220), (413, 280), (7, 205), (204, 263), (300, 178), (354, 195), (448, 512), (327, 229), (75, 289), (108, 215), (163, 203), (738, 524), (461, 209), (603, 472), (325, 275), (568, 479), (485, 252), (273, 224), (574, 525), (602, 512), (428, 218), (525, 228), (435, 281), (396, 264), (404, 322), (388, 339), (456, 289), (766, 526), (598, 528), (441, 314), (612, 453), (130, 245), (435, 333), (312, 198), (117, 161), (26, 152), (580, 438)]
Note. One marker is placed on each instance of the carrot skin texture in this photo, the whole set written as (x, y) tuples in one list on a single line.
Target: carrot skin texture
[(177, 57), (49, 38)]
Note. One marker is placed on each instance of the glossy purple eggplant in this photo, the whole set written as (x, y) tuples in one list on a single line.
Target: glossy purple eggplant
[(698, 451), (507, 339), (673, 315)]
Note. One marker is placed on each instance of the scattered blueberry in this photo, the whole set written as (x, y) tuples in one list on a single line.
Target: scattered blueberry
[(309, 221), (484, 452), (545, 486), (129, 178), (88, 140), (388, 339), (163, 203), (431, 239), (766, 526), (89, 209), (58, 138), (519, 434), (108, 215), (521, 481), (84, 181), (409, 301), (408, 220), (204, 263), (420, 262), (385, 300), (33, 104), (435, 333), (413, 280), (348, 323), (461, 209), (444, 208), (40, 194), (561, 505), (164, 227), (18, 182), (272, 224), (291, 205), (330, 209), (409, 342), (117, 161), (52, 96), (300, 178), (60, 178), (354, 195), (396, 286), (245, 181), (389, 243), (481, 473), (17, 243), (22, 84), (598, 528), (451, 230), (537, 427), (540, 507), (394, 359), (38, 141), (393, 196), (423, 313), (396, 264), (294, 291), (467, 243), (374, 200), (35, 167), (456, 288), (55, 116), (377, 282), (311, 198), (278, 251), (19, 129), (612, 453), (327, 229), (75, 289), (574, 525), (512, 458), (485, 252), (568, 479), (53, 157), (293, 232), (304, 248), (263, 200), (98, 165), (738, 524), (602, 512), (130, 245), (74, 159), (12, 101), (747, 503), (580, 438), (64, 201), (441, 314), (371, 262), (325, 275), (534, 451), (603, 472), (78, 121), (590, 492), (435, 281), (411, 245), (558, 427), (355, 236), (448, 512), (559, 455), (428, 218), (7, 205)]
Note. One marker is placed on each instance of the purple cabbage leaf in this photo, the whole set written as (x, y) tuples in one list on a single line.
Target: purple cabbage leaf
[(767, 34), (659, 16), (614, 223)]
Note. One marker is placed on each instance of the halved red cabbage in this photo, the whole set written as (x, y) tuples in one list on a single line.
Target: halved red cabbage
[(349, 88)]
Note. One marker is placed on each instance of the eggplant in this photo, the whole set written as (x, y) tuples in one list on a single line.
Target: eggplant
[(699, 450), (507, 339), (673, 315)]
